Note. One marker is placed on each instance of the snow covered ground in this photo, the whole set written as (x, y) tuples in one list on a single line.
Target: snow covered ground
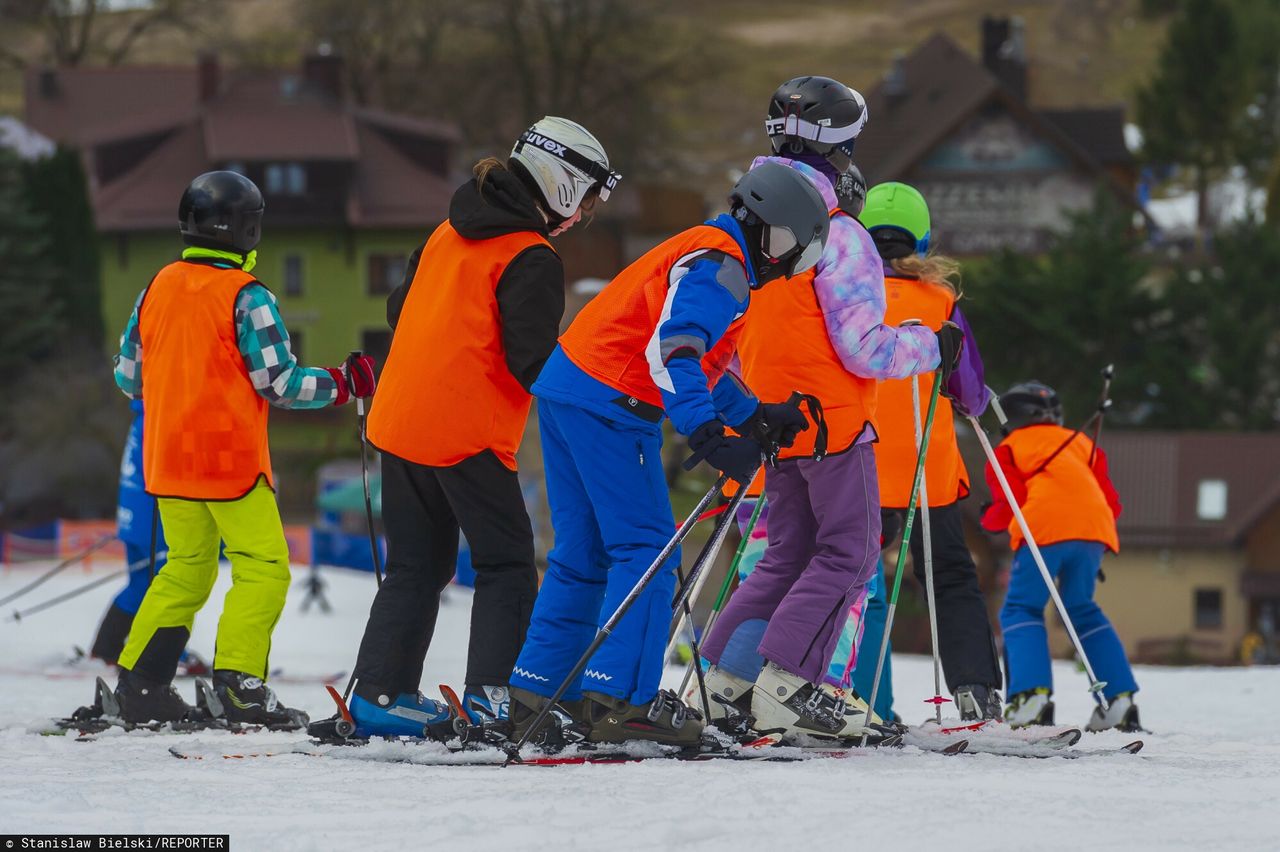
[(1208, 779)]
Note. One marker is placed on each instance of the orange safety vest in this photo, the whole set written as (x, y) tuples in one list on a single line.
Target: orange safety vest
[(205, 433), (945, 474), (785, 347), (609, 338), (446, 393), (1064, 501)]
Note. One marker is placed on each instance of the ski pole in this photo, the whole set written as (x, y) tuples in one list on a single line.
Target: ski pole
[(513, 751), (60, 567), (996, 407), (727, 584), (1108, 373), (364, 470), (906, 539), (927, 539), (1095, 686), (40, 607), (696, 575)]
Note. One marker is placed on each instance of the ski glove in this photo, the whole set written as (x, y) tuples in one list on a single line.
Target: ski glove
[(738, 457), (774, 424), (354, 378), (950, 342)]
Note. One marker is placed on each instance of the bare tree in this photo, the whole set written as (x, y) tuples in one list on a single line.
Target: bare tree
[(73, 32)]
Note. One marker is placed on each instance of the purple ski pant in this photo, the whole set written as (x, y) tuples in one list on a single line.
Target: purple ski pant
[(824, 540)]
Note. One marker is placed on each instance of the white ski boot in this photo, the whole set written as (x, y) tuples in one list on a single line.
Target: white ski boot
[(788, 704), (1033, 707), (1121, 715), (978, 702), (722, 689)]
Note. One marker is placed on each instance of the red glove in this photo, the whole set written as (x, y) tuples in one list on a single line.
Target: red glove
[(354, 379)]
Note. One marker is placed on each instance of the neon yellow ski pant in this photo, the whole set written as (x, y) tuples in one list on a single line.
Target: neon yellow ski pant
[(259, 558)]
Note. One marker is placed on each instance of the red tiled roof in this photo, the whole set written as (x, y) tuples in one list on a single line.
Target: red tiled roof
[(255, 120), (146, 197), (93, 103), (390, 191)]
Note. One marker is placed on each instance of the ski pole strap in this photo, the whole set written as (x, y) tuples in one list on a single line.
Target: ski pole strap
[(818, 419)]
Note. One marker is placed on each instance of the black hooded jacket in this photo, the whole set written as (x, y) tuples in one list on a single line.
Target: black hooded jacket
[(531, 291)]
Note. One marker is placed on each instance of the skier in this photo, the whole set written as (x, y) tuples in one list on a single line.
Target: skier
[(654, 344), (135, 515), (824, 335), (1060, 481), (475, 320), (217, 354), (922, 285)]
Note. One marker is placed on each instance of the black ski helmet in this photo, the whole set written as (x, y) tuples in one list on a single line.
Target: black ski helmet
[(851, 191), (222, 209), (1028, 403), (816, 114), (785, 220)]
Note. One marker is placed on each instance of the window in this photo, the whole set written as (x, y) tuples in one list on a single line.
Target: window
[(1211, 500), (385, 273), (377, 343), (1208, 614), (286, 179), (293, 275), (295, 345)]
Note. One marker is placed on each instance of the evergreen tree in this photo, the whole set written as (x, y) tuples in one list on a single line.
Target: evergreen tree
[(58, 193), (31, 324)]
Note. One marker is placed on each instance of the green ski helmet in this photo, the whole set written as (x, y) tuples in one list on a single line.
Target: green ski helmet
[(900, 210)]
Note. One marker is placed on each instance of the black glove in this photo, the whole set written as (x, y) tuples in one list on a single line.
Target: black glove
[(774, 424), (738, 457), (950, 342)]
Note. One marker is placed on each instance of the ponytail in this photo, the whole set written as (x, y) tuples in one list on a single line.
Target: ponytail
[(935, 268)]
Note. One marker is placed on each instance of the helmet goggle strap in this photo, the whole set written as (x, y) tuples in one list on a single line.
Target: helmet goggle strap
[(605, 179), (793, 125)]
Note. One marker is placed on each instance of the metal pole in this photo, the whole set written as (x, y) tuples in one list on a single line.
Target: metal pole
[(61, 566), (925, 531)]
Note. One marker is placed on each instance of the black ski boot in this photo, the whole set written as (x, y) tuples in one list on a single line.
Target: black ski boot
[(561, 727), (978, 702), (141, 701), (241, 699)]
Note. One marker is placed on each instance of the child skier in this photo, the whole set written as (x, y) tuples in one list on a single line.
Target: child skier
[(216, 354), (921, 285), (474, 322), (824, 335), (654, 344), (1060, 481), (135, 516)]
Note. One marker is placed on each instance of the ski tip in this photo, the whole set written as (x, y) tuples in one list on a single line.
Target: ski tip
[(1133, 747), (173, 750), (957, 747)]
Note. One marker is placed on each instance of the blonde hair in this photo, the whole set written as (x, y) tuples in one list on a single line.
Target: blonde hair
[(935, 268), (482, 169)]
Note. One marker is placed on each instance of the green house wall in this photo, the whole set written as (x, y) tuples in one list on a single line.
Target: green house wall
[(333, 311)]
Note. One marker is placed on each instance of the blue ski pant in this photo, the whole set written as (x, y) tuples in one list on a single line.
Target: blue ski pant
[(612, 516), (875, 614), (1074, 566), (139, 562)]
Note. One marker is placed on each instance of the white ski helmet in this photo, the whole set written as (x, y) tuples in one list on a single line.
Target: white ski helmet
[(566, 162)]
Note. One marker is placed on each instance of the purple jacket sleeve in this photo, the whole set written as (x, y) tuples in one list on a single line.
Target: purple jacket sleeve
[(967, 386), (850, 290)]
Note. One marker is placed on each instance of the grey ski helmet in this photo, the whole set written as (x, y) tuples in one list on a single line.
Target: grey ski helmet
[(1028, 403), (816, 114), (785, 217), (222, 209), (851, 190), (566, 163)]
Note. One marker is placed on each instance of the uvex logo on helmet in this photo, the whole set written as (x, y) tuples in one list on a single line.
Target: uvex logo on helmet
[(540, 141)]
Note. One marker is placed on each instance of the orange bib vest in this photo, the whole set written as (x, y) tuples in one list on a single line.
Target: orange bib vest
[(446, 393), (945, 474), (609, 339), (785, 347), (205, 433), (1064, 501)]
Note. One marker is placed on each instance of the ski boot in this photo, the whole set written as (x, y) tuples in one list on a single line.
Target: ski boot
[(1121, 715), (1032, 707), (666, 719), (241, 699), (410, 714), (978, 703), (728, 699), (788, 704), (486, 704), (559, 729), (140, 701)]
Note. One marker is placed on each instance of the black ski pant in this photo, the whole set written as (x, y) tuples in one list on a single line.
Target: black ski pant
[(422, 510), (965, 640)]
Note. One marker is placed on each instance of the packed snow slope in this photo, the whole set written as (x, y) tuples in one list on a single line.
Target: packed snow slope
[(1208, 779)]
